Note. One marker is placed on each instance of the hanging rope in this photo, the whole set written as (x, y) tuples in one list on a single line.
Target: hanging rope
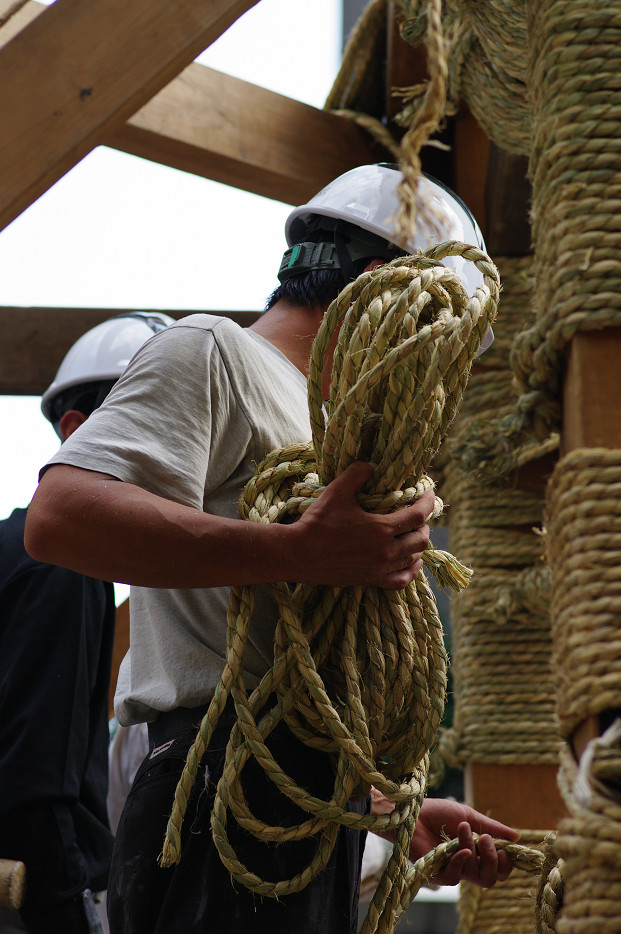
[(358, 672)]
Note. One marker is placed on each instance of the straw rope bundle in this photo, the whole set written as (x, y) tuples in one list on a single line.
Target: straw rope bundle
[(359, 673)]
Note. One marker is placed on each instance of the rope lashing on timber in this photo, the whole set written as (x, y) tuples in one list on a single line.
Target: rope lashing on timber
[(574, 167), (358, 672), (487, 58), (504, 689), (584, 553)]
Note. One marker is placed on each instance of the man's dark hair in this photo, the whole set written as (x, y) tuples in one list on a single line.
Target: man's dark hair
[(315, 287), (355, 249)]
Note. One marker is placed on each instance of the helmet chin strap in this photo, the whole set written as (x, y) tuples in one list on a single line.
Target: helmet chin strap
[(345, 260)]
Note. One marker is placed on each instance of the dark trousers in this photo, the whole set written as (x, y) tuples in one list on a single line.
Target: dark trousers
[(197, 895)]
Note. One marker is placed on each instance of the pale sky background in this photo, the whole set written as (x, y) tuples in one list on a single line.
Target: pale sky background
[(122, 232)]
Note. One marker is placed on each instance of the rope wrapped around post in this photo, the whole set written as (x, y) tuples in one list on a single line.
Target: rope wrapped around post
[(359, 673)]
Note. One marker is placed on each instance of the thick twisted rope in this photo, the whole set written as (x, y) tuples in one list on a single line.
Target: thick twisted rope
[(584, 550), (358, 672)]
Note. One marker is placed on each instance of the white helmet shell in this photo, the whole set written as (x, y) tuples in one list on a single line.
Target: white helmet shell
[(103, 352), (368, 197)]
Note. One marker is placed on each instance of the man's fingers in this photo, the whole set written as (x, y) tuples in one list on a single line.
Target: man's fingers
[(465, 837), (488, 862), (352, 478), (505, 866), (453, 872)]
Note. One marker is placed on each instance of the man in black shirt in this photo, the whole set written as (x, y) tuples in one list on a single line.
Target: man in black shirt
[(56, 635)]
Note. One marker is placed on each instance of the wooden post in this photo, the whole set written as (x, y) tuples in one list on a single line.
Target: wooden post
[(592, 419), (524, 796)]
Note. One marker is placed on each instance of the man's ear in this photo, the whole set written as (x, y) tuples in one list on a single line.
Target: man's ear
[(374, 264), (70, 421)]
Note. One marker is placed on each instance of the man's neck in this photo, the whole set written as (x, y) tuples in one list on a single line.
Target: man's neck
[(291, 329)]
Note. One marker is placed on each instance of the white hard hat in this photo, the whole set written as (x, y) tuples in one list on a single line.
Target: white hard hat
[(101, 355), (368, 197)]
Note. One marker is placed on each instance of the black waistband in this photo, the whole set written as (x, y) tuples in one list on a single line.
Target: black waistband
[(171, 722)]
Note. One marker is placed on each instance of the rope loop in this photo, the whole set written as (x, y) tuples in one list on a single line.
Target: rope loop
[(359, 673)]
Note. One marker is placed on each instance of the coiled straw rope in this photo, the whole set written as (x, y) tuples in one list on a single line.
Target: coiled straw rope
[(358, 672)]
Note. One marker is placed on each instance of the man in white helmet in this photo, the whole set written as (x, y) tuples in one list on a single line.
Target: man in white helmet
[(56, 634), (149, 496)]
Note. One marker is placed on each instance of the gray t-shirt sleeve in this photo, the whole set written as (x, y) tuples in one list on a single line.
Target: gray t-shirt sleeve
[(164, 425)]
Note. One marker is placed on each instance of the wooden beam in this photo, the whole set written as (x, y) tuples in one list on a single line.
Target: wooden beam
[(36, 339), (471, 164), (79, 70), (592, 419), (214, 126), (522, 796), (591, 410), (508, 196), (234, 132)]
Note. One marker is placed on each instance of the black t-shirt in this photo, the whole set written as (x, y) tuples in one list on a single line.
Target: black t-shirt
[(56, 634)]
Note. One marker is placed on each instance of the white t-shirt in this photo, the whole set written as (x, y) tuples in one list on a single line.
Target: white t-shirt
[(198, 407)]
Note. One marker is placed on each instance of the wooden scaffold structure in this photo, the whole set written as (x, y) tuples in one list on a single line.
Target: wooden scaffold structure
[(514, 104)]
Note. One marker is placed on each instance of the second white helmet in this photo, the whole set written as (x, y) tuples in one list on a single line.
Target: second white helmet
[(100, 355)]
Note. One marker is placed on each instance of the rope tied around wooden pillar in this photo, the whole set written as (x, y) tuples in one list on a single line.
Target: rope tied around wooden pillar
[(584, 553), (574, 167), (358, 672)]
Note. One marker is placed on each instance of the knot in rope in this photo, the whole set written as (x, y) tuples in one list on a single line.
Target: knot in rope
[(359, 673)]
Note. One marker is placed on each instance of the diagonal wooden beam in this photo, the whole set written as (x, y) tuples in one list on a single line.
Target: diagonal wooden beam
[(209, 124), (234, 132), (79, 70)]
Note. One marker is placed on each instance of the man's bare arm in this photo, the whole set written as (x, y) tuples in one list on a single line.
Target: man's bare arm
[(100, 526)]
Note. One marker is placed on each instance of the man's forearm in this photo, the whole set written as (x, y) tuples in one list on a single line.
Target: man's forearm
[(100, 526)]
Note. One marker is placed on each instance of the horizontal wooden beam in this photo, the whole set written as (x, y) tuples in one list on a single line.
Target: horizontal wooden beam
[(79, 70), (35, 340), (237, 133)]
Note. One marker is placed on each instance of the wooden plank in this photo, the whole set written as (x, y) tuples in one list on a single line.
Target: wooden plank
[(234, 132), (471, 160), (36, 339), (523, 796), (591, 419), (18, 20), (406, 65), (508, 196), (188, 125), (79, 70), (591, 410)]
